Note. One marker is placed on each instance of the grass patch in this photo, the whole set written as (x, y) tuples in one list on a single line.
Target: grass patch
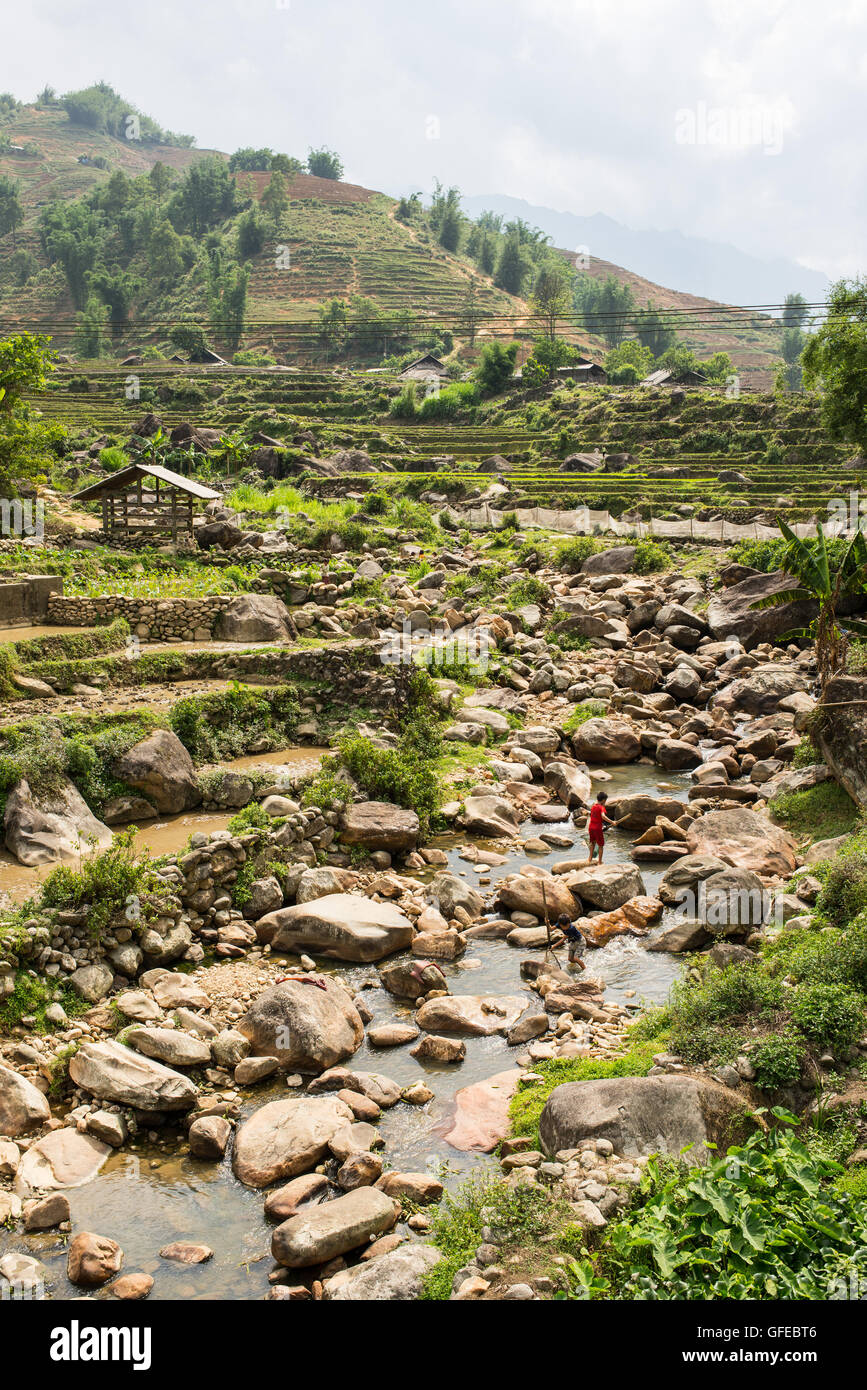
[(526, 1106), (819, 813)]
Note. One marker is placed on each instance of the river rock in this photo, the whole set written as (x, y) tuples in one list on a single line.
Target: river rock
[(169, 1045), (394, 1277), (161, 769), (570, 784), (682, 879), (172, 990), (606, 886), (412, 979), (378, 825), (491, 817), (287, 1201), (255, 618), (209, 1136), (115, 1073), (523, 893), (841, 733), (643, 1115), (479, 1116), (605, 740), (341, 926), (450, 892), (733, 899), (732, 611), (638, 810), (761, 691), (63, 1158), (471, 1015), (324, 1232), (305, 1027), (287, 1137), (371, 1084), (421, 1188), (22, 1107), (391, 1034), (744, 839), (435, 1049), (92, 1260), (52, 826)]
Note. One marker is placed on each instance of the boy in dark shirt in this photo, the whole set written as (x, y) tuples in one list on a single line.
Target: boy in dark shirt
[(574, 939)]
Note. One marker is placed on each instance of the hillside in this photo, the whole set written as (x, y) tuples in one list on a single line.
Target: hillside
[(711, 268), (343, 241)]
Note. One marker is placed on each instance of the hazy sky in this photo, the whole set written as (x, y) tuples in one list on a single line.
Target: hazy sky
[(726, 119)]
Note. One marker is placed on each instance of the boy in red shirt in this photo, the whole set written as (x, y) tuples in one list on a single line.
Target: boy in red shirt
[(598, 820)]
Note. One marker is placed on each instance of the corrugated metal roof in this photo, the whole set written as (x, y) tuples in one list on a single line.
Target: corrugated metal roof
[(117, 481)]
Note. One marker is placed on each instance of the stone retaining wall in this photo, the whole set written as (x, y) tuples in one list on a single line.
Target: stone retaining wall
[(153, 620)]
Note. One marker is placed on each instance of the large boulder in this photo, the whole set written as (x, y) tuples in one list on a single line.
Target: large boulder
[(541, 894), (638, 810), (321, 1233), (379, 825), (478, 1118), (643, 1115), (340, 926), (841, 733), (680, 881), (396, 1277), (491, 817), (618, 559), (44, 828), (471, 1015), (306, 1027), (606, 741), (743, 839), (448, 892), (287, 1137), (63, 1158), (731, 612), (22, 1107), (162, 770), (763, 689), (255, 618), (606, 886), (570, 784), (172, 1046), (112, 1072)]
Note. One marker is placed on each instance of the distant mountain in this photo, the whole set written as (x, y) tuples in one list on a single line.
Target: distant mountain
[(712, 269)]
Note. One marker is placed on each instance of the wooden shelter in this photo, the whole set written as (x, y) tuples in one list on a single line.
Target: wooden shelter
[(146, 501), (424, 368)]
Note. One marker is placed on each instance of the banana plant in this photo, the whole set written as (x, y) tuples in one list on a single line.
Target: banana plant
[(813, 577)]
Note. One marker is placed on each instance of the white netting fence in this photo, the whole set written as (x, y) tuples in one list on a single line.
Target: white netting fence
[(584, 521)]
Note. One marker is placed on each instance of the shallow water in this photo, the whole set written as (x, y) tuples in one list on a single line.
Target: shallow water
[(145, 1198)]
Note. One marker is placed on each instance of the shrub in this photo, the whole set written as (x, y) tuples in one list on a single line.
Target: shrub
[(571, 556), (825, 957), (651, 556), (227, 722), (402, 775), (777, 1061), (844, 891), (758, 1222), (108, 883), (527, 589), (743, 992), (830, 1015)]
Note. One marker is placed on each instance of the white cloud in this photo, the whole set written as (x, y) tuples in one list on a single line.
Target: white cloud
[(570, 103)]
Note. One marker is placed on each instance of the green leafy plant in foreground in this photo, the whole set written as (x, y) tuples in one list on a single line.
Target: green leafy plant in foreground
[(762, 1221)]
